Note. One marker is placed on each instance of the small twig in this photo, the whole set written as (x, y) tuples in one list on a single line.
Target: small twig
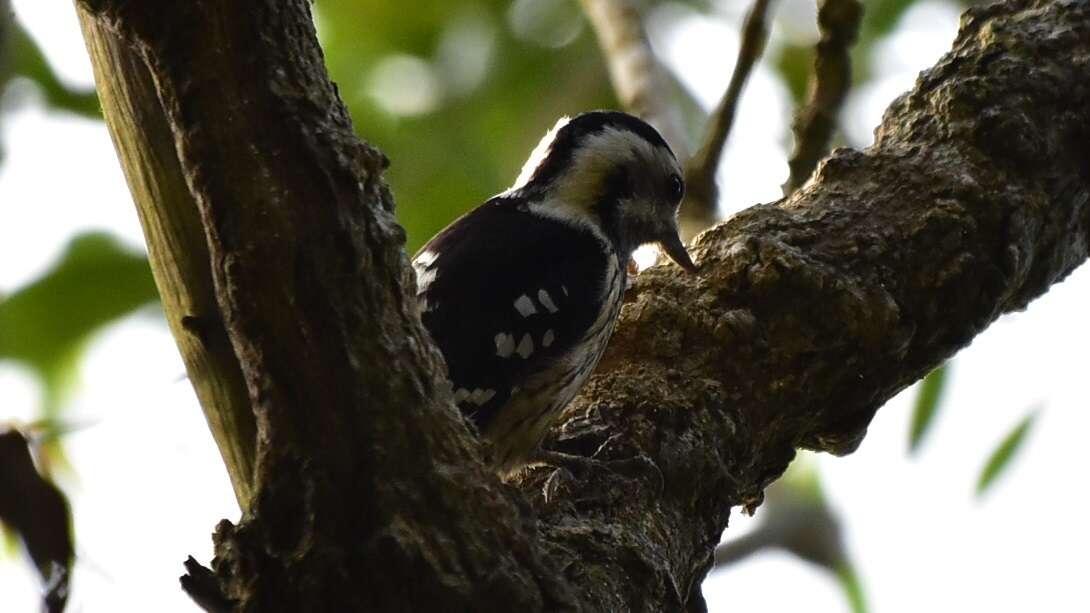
[(638, 78), (200, 584), (803, 528), (702, 193), (838, 21), (797, 518)]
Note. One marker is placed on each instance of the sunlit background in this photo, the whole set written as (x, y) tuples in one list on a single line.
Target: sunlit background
[(456, 93)]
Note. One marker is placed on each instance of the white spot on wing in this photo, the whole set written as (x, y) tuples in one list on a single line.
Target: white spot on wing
[(480, 396), (548, 338), (526, 346), (546, 300), (525, 306), (505, 345), (564, 288)]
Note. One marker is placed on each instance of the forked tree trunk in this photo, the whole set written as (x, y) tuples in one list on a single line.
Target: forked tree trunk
[(273, 240)]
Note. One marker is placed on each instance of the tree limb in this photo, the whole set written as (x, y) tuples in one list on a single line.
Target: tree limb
[(811, 312), (366, 477), (807, 315), (701, 186), (176, 246), (634, 69), (838, 21)]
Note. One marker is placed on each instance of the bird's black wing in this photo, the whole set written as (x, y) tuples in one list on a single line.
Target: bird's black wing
[(504, 293)]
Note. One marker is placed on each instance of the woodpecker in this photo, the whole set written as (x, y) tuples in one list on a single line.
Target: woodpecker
[(522, 293)]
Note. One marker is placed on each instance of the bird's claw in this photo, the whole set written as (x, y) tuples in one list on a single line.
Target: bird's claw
[(631, 467)]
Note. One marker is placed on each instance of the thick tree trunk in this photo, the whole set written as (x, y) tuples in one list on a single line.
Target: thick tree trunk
[(366, 489)]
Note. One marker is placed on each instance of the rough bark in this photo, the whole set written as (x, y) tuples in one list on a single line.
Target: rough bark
[(368, 489), (811, 312), (807, 315), (176, 246)]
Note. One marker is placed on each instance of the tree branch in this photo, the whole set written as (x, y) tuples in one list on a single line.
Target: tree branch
[(811, 312), (838, 21), (176, 246), (637, 76), (701, 187), (807, 315), (366, 477)]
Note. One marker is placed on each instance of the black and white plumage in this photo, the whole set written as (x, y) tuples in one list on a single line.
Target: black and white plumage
[(522, 293)]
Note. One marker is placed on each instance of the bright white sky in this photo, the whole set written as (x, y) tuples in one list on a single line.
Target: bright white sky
[(921, 539)]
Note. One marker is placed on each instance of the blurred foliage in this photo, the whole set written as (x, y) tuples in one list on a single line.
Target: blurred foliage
[(880, 18), (927, 405), (21, 58), (32, 506), (455, 93), (45, 324), (796, 517), (28, 61), (478, 83), (9, 541), (1001, 459), (851, 584), (795, 63), (493, 95)]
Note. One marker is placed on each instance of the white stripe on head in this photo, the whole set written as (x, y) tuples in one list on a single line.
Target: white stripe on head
[(574, 193), (538, 155)]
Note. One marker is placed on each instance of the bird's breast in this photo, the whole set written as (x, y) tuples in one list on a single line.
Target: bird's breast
[(531, 410)]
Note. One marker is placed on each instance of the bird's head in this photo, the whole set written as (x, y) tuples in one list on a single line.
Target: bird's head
[(612, 174)]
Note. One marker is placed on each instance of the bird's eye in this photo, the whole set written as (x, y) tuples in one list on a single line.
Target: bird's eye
[(676, 189)]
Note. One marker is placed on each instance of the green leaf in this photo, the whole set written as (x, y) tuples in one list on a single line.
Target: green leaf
[(927, 406), (802, 478), (27, 60), (45, 324), (881, 18), (1001, 458), (850, 583), (9, 542)]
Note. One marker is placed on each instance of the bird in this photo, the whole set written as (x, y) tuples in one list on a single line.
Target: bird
[(522, 293)]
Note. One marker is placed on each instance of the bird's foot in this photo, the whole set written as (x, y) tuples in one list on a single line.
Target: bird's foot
[(633, 467)]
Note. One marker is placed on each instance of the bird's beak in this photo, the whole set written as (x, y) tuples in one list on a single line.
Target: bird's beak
[(671, 244)]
